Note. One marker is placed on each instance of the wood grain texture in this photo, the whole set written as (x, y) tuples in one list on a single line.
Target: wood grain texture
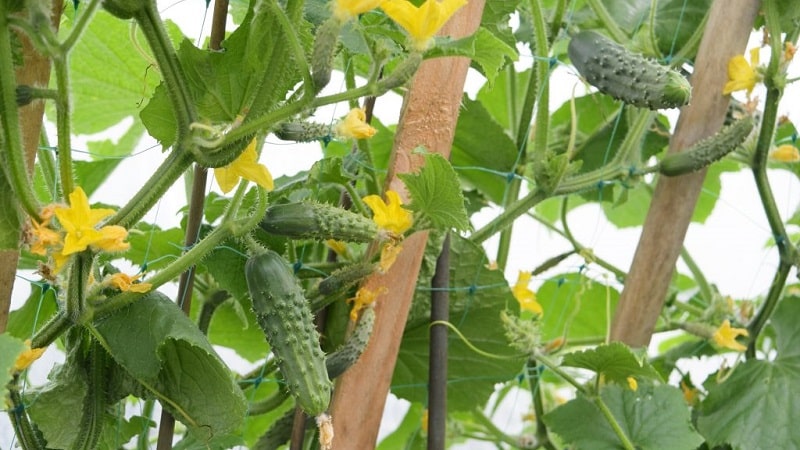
[(428, 118), (674, 200)]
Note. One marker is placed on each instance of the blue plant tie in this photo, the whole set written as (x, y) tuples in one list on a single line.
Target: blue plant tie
[(297, 266)]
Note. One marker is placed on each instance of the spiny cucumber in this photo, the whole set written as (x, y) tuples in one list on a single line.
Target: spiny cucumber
[(345, 356), (708, 150), (325, 42), (302, 131), (318, 221), (282, 312), (625, 75)]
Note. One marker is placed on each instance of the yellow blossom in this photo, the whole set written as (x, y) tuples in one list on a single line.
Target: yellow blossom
[(245, 166), (725, 336), (632, 383), (79, 221), (424, 420), (127, 283), (741, 74), (354, 126), (43, 237), (525, 296), (785, 153), (390, 215), (690, 393), (788, 51), (345, 10), (421, 22), (364, 298), (338, 247), (389, 254), (27, 357)]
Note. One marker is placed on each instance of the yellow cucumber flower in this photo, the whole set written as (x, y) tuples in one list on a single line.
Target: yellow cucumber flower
[(127, 283), (354, 126), (389, 254), (725, 336), (525, 296), (424, 21), (42, 237), (79, 221), (364, 298), (741, 74), (390, 215), (27, 357), (245, 166), (785, 153), (632, 383), (345, 10)]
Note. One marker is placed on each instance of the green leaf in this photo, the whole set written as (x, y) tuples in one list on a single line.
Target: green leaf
[(484, 48), (234, 326), (500, 99), (10, 349), (477, 297), (163, 350), (653, 418), (754, 408), (153, 248), (253, 74), (615, 361), (408, 430), (483, 154), (226, 265), (40, 305), (436, 195), (109, 76), (676, 20), (576, 307)]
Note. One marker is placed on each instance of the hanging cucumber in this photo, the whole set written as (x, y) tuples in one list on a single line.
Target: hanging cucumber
[(283, 314), (320, 221), (625, 75), (708, 150)]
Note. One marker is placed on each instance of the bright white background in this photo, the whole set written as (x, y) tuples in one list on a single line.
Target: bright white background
[(729, 247)]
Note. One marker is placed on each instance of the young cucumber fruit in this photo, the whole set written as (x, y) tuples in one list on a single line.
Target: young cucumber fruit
[(318, 221), (708, 150), (283, 314), (625, 75), (345, 356)]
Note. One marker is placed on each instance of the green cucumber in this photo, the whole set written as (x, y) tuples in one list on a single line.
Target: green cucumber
[(282, 312), (302, 131), (320, 221), (345, 356), (625, 75), (708, 150), (325, 42), (345, 277)]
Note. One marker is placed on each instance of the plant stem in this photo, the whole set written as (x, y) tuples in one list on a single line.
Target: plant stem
[(624, 440), (143, 439), (492, 429), (509, 215), (13, 152), (80, 24), (209, 306), (268, 404), (542, 436), (28, 439), (63, 123), (702, 283), (51, 330), (94, 404), (608, 22), (437, 357), (787, 252)]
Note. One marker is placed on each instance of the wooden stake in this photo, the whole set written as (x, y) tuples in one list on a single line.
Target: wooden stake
[(674, 200), (429, 116)]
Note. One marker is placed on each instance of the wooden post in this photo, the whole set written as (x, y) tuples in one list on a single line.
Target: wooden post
[(429, 116), (674, 200)]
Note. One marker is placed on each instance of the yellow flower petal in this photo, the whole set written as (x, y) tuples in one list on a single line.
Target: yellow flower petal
[(525, 296), (690, 393), (390, 215), (632, 383), (424, 420), (389, 254), (27, 357), (741, 74), (245, 166), (79, 221), (424, 21), (345, 10), (125, 283), (364, 297), (725, 336), (785, 153), (42, 238), (338, 247), (354, 126)]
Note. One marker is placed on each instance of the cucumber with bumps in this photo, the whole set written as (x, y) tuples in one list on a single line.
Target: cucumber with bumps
[(320, 221), (707, 150), (625, 75), (282, 312)]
